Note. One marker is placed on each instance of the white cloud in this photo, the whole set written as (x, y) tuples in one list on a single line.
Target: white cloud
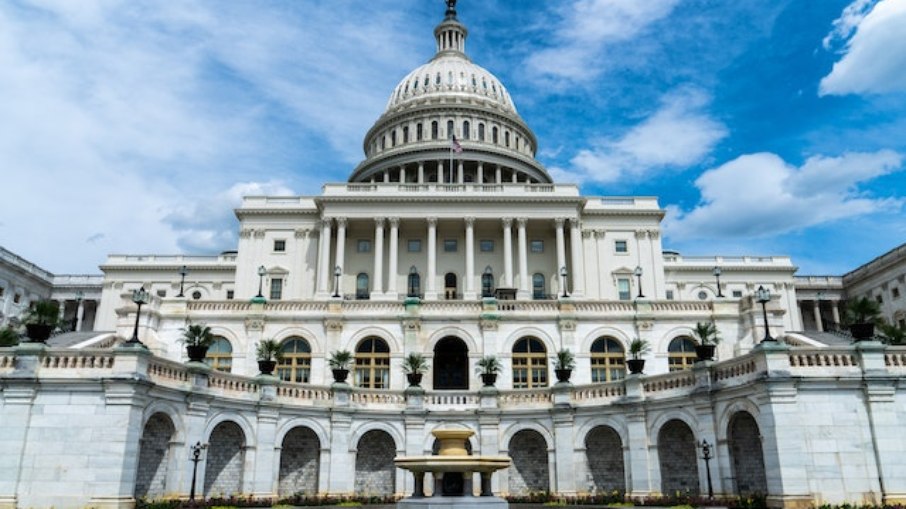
[(874, 56), (761, 194), (586, 27), (678, 134)]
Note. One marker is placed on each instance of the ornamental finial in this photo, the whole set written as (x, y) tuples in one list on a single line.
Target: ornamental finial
[(451, 8)]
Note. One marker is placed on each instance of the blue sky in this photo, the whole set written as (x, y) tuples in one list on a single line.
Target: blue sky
[(766, 127)]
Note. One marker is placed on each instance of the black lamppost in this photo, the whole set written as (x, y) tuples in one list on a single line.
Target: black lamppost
[(563, 280), (337, 272), (196, 457), (182, 279), (706, 455), (716, 273), (261, 272), (139, 297), (638, 275), (763, 295)]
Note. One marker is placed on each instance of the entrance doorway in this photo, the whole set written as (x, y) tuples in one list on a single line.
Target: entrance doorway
[(451, 364)]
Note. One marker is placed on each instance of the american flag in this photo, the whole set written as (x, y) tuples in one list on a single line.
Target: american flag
[(456, 147)]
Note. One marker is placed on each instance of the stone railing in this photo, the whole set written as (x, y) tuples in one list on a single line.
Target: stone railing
[(167, 372), (101, 360), (824, 358), (525, 398), (300, 394), (669, 382), (378, 399), (895, 360), (599, 393), (737, 370), (232, 383), (440, 401)]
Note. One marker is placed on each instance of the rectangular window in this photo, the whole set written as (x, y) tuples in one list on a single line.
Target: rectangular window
[(17, 298), (279, 246), (669, 294), (363, 246), (415, 246), (880, 299), (620, 246), (2, 291), (161, 293), (276, 288), (536, 246), (450, 245), (737, 294), (486, 246), (895, 292), (230, 294), (623, 288)]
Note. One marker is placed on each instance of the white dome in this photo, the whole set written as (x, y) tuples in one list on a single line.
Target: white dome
[(451, 76)]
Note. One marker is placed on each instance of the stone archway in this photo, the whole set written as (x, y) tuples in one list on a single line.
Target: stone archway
[(225, 460), (375, 473), (451, 364), (299, 463), (604, 453), (529, 471), (153, 457), (744, 440), (678, 461)]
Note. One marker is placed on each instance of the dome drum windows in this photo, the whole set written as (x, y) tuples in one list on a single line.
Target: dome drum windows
[(480, 132), (466, 130)]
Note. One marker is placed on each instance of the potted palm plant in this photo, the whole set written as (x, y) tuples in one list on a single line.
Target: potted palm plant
[(8, 337), (707, 335), (41, 320), (488, 367), (862, 314), (415, 365), (268, 353), (197, 337), (564, 363), (637, 348), (339, 362), (891, 334)]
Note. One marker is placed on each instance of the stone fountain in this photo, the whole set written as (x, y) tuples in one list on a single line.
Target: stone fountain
[(453, 469)]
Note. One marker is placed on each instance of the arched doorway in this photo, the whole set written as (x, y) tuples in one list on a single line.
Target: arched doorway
[(226, 457), (604, 452), (529, 471), (375, 473), (678, 461), (746, 453), (451, 364), (153, 456), (299, 462)]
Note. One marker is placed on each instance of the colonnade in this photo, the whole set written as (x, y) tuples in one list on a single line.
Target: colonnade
[(444, 174), (387, 287), (817, 309)]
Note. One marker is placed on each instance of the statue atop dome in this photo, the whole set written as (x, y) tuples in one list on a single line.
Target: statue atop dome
[(451, 8)]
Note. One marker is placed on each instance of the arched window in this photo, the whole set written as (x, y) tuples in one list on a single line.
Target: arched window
[(480, 132), (372, 364), (466, 130), (450, 132), (383, 142), (681, 353), (538, 286), (296, 363), (418, 132), (450, 286), (494, 135), (434, 129), (529, 364), (414, 286), (220, 355), (506, 138), (405, 134), (437, 79), (361, 286), (487, 283), (608, 360), (393, 138)]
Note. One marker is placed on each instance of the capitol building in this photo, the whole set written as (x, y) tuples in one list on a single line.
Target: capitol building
[(451, 240)]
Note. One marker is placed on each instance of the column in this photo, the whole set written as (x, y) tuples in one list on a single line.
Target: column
[(386, 175), (498, 175), (578, 258), (61, 311), (324, 258), (402, 174), (392, 269), (80, 312), (340, 253), (421, 172), (480, 179), (523, 260), (561, 252), (431, 287), (835, 309), (515, 178), (816, 310), (440, 172), (507, 248), (460, 174), (470, 259), (377, 288)]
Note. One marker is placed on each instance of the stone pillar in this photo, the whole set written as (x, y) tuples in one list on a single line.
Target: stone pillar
[(61, 310), (421, 172), (523, 292), (431, 284), (578, 258), (80, 313), (498, 175), (480, 178), (507, 250), (402, 174), (377, 288), (460, 173), (386, 175), (816, 310), (561, 252), (636, 455), (15, 419), (835, 309), (264, 481), (470, 259), (341, 247), (342, 461), (564, 452), (393, 269), (324, 258)]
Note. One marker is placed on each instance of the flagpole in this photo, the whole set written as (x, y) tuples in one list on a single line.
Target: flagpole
[(451, 161)]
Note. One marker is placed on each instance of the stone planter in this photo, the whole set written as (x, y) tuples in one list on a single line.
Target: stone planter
[(488, 379), (636, 366), (862, 331), (196, 353), (339, 375), (563, 374), (267, 367), (38, 332), (705, 352), (415, 379)]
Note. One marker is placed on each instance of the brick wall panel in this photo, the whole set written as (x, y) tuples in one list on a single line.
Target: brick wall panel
[(679, 465), (746, 453), (604, 451), (299, 458), (225, 459), (153, 456), (529, 471)]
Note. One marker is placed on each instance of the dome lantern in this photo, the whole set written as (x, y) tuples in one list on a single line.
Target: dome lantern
[(450, 33)]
